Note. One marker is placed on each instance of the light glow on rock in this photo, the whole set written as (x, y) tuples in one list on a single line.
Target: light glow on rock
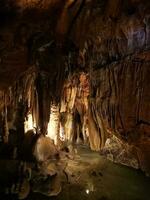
[(87, 191), (53, 125), (29, 124)]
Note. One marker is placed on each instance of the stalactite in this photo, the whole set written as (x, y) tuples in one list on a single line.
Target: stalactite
[(94, 137), (31, 91), (42, 86), (64, 25), (74, 106), (103, 134), (69, 128), (19, 121)]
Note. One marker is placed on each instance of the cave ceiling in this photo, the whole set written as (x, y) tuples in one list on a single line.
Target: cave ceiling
[(107, 31)]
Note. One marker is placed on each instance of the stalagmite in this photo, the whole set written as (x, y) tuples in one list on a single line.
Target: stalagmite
[(45, 149), (54, 123), (74, 86)]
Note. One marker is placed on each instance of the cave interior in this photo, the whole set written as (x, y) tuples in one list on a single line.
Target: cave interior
[(75, 99)]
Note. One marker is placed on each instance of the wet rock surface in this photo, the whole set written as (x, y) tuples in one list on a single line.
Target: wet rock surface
[(110, 43), (91, 176), (87, 176)]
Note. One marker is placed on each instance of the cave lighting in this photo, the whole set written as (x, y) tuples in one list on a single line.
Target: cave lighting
[(29, 124), (90, 187), (55, 130), (54, 125), (87, 191)]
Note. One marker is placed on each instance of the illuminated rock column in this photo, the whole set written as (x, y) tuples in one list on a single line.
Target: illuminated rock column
[(54, 123)]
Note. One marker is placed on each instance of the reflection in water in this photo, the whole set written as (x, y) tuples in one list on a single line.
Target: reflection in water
[(92, 177)]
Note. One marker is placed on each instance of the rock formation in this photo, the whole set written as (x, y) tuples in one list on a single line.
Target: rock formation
[(88, 59)]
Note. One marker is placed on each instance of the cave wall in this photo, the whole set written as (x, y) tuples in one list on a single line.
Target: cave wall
[(115, 50), (96, 55), (121, 100), (74, 108)]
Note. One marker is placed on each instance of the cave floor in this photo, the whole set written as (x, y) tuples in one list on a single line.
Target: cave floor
[(92, 177)]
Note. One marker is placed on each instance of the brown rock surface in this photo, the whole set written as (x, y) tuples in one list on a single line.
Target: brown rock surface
[(113, 38)]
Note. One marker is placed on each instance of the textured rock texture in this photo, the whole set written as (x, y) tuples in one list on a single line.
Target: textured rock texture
[(121, 96), (120, 152), (117, 54), (96, 55)]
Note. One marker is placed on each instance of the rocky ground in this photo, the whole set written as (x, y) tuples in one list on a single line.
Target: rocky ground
[(90, 176)]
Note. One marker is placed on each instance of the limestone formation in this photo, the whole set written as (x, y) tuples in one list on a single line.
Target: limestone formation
[(81, 67)]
